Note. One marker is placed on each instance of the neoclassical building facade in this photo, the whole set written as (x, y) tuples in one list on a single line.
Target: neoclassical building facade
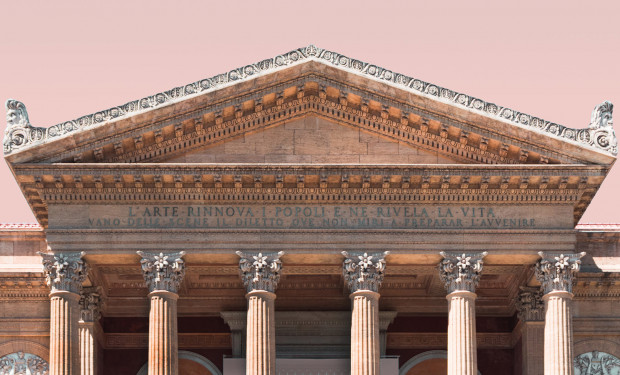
[(309, 214)]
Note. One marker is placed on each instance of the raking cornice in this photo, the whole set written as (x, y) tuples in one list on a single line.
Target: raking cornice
[(599, 136)]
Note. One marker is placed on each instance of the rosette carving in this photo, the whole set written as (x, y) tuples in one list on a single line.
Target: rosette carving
[(461, 271), (18, 131), (65, 271), (163, 271), (260, 271), (363, 271), (556, 272), (530, 305), (90, 305)]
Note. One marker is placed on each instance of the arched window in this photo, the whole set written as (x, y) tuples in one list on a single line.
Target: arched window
[(190, 364), (433, 362)]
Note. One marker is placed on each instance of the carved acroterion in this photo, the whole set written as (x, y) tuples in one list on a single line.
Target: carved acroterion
[(163, 271), (18, 130), (600, 131), (364, 271), (65, 271), (260, 271), (461, 271), (556, 272)]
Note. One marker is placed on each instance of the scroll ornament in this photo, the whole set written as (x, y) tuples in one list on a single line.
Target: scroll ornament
[(461, 272), (65, 271), (19, 132), (260, 271), (163, 272), (557, 272), (600, 132), (363, 271), (530, 306)]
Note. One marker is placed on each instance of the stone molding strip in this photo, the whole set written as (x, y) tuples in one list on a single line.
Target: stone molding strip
[(599, 135)]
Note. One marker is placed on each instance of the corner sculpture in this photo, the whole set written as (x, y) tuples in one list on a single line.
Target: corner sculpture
[(599, 134)]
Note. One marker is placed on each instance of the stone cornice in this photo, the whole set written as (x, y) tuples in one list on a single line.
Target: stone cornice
[(599, 136)]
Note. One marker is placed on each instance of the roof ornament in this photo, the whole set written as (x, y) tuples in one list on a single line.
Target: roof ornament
[(18, 130), (601, 131)]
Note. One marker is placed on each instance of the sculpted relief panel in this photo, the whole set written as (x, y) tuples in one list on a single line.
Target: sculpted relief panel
[(311, 216), (596, 363), (21, 363)]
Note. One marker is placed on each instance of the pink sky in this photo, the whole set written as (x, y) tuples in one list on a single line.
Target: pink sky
[(552, 59)]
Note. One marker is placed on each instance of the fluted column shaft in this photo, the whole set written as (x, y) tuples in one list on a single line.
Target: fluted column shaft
[(365, 339), (260, 275), (462, 359), (88, 350), (556, 273), (163, 274), (461, 274), (261, 334), (558, 333), (163, 334), (64, 348)]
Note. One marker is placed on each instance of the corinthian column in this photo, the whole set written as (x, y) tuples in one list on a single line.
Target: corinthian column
[(461, 274), (556, 274), (65, 274), (163, 274), (90, 305), (364, 273), (260, 274)]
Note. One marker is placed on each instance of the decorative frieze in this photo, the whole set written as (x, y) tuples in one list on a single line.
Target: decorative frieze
[(363, 271), (260, 271), (65, 271), (530, 306), (461, 271), (163, 271), (556, 272)]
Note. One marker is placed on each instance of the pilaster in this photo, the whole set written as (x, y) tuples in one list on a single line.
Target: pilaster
[(260, 274), (460, 273), (556, 273), (163, 274), (65, 273), (90, 313), (363, 273), (531, 312)]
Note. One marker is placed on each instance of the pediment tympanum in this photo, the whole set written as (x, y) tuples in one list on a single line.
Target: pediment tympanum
[(313, 140)]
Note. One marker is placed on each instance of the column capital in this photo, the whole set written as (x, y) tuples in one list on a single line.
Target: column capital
[(163, 271), (530, 305), (260, 271), (461, 271), (65, 271), (364, 271), (90, 305), (556, 272)]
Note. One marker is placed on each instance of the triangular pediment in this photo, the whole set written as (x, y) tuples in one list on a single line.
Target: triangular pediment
[(305, 122), (311, 140)]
